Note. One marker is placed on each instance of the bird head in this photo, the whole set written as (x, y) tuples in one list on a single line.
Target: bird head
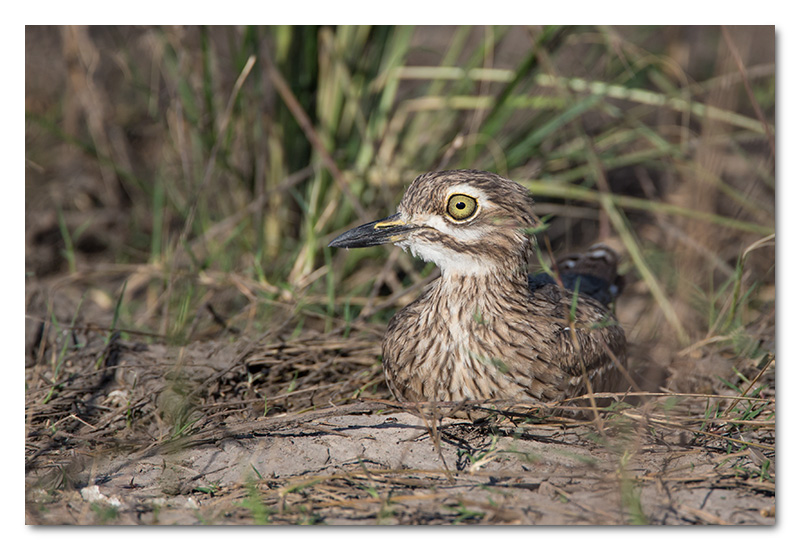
[(465, 221)]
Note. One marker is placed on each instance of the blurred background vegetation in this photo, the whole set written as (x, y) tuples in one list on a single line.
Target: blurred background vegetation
[(184, 182)]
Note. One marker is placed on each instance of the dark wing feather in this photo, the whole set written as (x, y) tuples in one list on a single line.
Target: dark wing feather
[(588, 285), (592, 273)]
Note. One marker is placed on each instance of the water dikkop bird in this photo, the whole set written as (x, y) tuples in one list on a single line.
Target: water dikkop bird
[(486, 329)]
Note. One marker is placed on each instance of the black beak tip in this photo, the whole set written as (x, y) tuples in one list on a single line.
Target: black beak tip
[(355, 238), (336, 243), (371, 234)]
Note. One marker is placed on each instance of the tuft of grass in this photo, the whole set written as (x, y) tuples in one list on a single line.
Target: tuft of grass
[(68, 340), (254, 504), (272, 139), (105, 513)]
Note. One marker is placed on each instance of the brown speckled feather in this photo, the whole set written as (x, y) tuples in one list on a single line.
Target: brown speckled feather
[(506, 343)]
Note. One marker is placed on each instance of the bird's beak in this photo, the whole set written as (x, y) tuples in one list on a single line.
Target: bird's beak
[(387, 230)]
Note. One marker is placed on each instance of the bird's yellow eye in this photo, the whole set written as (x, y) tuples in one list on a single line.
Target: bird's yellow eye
[(461, 207)]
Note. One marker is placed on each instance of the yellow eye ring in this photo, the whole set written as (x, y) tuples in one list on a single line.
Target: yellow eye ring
[(460, 207)]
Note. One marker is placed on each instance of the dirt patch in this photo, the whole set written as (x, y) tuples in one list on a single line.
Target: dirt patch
[(301, 430)]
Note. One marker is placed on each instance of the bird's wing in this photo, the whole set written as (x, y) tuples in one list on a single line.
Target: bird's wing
[(583, 337), (593, 273)]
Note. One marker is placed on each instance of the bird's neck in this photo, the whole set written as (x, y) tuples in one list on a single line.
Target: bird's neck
[(491, 287)]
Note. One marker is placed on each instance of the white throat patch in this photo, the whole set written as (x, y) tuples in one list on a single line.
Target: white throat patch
[(450, 262)]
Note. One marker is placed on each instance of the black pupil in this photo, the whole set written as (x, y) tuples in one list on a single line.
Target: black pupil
[(461, 205)]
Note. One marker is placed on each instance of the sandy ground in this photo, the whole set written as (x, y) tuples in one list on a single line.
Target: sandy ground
[(129, 443)]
